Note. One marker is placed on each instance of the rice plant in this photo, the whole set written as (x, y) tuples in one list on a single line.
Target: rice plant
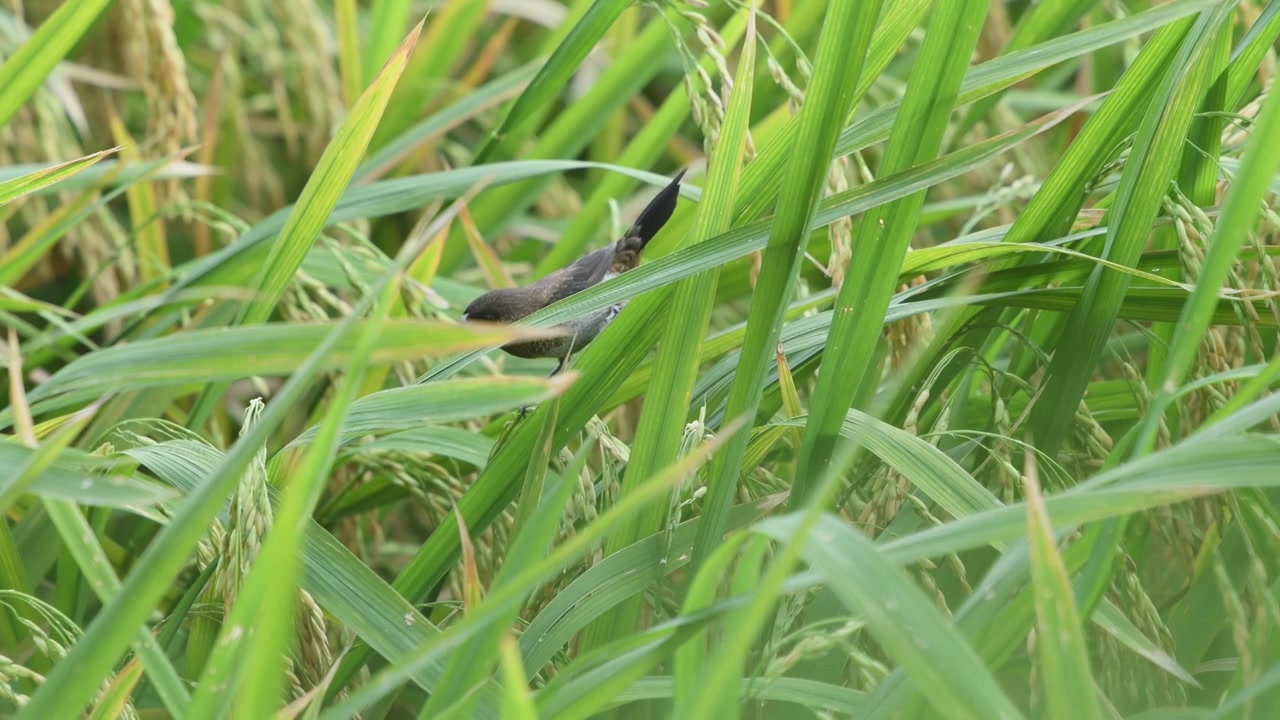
[(946, 391)]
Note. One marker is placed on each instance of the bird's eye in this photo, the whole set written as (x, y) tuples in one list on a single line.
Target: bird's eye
[(480, 314)]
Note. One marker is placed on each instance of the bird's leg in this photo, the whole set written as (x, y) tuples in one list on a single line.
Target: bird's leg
[(559, 367), (526, 409)]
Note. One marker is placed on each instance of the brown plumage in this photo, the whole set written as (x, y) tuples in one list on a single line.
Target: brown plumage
[(507, 305)]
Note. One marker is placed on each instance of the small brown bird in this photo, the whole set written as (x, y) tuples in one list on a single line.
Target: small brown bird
[(507, 305)]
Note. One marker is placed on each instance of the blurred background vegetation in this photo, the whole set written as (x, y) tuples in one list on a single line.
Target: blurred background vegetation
[(947, 391)]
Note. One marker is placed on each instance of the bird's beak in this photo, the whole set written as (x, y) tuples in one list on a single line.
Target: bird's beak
[(464, 317)]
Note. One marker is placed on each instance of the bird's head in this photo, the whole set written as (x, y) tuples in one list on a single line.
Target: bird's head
[(502, 305)]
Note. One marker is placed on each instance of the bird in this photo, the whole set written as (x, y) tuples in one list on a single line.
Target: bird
[(507, 305)]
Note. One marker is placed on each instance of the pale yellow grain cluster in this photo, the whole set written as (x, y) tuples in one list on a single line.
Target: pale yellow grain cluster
[(316, 85), (707, 104), (250, 519)]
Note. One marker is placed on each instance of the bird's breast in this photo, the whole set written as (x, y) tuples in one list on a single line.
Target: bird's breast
[(578, 333), (587, 327)]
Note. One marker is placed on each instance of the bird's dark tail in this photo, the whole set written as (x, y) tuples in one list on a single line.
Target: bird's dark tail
[(657, 212)]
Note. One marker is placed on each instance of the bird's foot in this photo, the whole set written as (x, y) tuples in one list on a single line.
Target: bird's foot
[(524, 410), (559, 367)]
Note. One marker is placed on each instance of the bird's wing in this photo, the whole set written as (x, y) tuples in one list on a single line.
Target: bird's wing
[(587, 271)]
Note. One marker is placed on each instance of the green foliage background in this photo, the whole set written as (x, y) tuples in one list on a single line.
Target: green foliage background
[(946, 392)]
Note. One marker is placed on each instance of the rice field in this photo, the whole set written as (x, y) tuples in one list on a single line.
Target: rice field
[(946, 391)]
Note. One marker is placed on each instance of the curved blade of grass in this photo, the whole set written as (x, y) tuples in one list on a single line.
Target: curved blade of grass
[(1108, 617), (537, 519), (903, 620), (842, 50), (273, 349), (80, 540), (571, 130), (1259, 164), (378, 615), (329, 181), (24, 71), (11, 190), (387, 22), (475, 102), (1060, 641), (962, 496), (928, 468), (1007, 70), (69, 478), (811, 694), (618, 576), (260, 629), (502, 600), (552, 77), (318, 199), (884, 235), (1174, 475), (661, 424), (1169, 476), (406, 408), (1143, 185)]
